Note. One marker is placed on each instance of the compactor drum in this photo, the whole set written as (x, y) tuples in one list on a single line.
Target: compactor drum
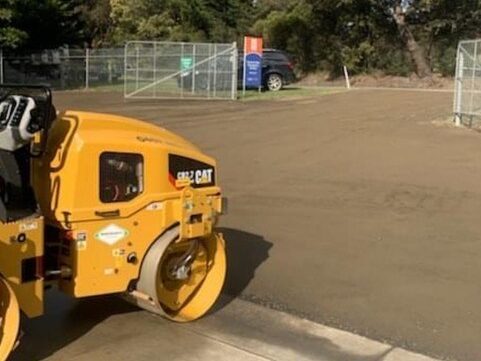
[(101, 204)]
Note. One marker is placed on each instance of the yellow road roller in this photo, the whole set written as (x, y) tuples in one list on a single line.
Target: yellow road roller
[(99, 204)]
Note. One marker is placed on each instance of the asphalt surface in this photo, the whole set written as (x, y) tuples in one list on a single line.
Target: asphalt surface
[(359, 210)]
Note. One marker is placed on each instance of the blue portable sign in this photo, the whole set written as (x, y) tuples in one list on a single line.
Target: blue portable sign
[(252, 62)]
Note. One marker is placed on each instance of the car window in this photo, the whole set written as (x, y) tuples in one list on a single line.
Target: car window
[(268, 56), (121, 176), (277, 57)]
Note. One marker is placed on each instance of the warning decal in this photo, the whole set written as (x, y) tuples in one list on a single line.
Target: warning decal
[(111, 234)]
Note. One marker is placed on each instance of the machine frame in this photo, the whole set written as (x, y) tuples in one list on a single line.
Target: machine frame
[(106, 204)]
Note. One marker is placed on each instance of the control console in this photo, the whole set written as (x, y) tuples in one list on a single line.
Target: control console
[(18, 123)]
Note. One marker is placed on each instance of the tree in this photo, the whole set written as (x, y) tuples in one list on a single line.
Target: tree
[(158, 20), (393, 36), (443, 23), (10, 36), (417, 52), (181, 20), (96, 22), (229, 19), (326, 34), (48, 23), (290, 26), (362, 34)]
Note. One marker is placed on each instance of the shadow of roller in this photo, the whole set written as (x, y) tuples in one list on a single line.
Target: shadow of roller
[(65, 320), (245, 254)]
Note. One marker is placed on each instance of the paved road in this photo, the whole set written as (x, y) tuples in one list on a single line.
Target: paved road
[(359, 210)]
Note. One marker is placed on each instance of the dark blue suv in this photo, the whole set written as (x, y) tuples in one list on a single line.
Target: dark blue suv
[(277, 69)]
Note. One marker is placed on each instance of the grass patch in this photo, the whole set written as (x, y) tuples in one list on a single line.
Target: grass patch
[(287, 93), (118, 87), (172, 89)]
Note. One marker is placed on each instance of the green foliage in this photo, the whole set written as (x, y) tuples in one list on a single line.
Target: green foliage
[(327, 34), (394, 62), (364, 35), (444, 61), (47, 23), (10, 37), (94, 16), (292, 31), (179, 20)]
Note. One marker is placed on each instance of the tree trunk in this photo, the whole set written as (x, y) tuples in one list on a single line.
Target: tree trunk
[(416, 51)]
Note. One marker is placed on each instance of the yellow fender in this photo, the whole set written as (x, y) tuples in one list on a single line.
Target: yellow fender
[(9, 319)]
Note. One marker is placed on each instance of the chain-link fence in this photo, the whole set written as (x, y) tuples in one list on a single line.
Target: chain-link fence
[(180, 70), (152, 69), (65, 68), (467, 92)]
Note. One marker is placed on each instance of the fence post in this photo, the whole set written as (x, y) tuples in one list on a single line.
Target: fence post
[(154, 64), (137, 54), (459, 89), (244, 70), (208, 70), (473, 78), (235, 66), (87, 60), (181, 70), (125, 69), (193, 69), (215, 71), (1, 65)]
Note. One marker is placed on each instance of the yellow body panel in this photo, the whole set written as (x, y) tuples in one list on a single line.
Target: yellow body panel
[(14, 253), (123, 207), (66, 183)]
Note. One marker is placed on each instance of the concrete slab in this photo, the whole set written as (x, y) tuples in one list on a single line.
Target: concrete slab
[(107, 329)]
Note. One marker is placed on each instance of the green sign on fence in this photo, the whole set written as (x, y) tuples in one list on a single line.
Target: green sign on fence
[(186, 63)]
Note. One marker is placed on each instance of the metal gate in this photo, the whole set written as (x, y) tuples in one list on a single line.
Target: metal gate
[(180, 70), (467, 88)]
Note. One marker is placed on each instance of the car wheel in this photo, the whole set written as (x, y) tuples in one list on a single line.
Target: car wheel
[(274, 82)]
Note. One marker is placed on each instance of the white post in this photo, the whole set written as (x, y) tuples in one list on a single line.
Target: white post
[(346, 75), (459, 89), (87, 61)]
